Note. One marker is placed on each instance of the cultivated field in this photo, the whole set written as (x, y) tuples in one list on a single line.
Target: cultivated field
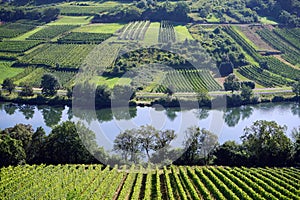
[(100, 182)]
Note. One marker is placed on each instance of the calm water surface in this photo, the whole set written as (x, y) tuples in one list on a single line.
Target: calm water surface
[(228, 123)]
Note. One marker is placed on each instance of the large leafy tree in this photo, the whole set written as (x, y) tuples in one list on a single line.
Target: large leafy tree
[(231, 83), (230, 154), (49, 85), (8, 85), (266, 143), (11, 151), (68, 143), (199, 144), (296, 148), (128, 145), (296, 88)]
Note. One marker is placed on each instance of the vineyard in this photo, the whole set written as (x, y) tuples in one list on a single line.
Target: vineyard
[(11, 30), (267, 64), (59, 55), (84, 38), (188, 81), (289, 54), (50, 32), (134, 31), (290, 36), (166, 32), (17, 46), (100, 182)]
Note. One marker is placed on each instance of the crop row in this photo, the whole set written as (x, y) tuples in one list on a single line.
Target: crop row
[(58, 55), (188, 81), (134, 30), (291, 55), (50, 32), (288, 36), (268, 63), (166, 32), (17, 46), (11, 30), (84, 38), (261, 76), (100, 182)]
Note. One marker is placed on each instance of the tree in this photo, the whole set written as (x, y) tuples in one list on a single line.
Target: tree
[(26, 91), (296, 88), (49, 84), (11, 151), (122, 94), (66, 145), (267, 144), (35, 151), (127, 143), (50, 14), (231, 83), (8, 85), (199, 144), (246, 93), (296, 146), (230, 154), (146, 137), (102, 96)]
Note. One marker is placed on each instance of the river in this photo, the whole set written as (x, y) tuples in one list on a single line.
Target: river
[(228, 123)]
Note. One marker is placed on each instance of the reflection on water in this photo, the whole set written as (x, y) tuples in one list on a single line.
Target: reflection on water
[(112, 122)]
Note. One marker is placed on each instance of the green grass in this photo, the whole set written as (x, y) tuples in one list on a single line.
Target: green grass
[(100, 28), (72, 20), (151, 36), (211, 18), (28, 34), (110, 81), (182, 33), (7, 71), (266, 20)]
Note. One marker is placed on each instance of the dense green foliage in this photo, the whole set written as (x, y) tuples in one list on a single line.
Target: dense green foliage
[(98, 181)]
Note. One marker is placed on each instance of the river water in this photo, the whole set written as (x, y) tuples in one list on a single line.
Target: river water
[(228, 123)]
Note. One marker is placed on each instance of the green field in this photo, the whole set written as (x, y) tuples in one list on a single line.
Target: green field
[(110, 81), (7, 71), (176, 182), (266, 20), (72, 20), (151, 36), (64, 55), (182, 33), (100, 28), (28, 34)]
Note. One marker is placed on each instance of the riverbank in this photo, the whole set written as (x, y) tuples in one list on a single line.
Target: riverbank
[(189, 100)]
